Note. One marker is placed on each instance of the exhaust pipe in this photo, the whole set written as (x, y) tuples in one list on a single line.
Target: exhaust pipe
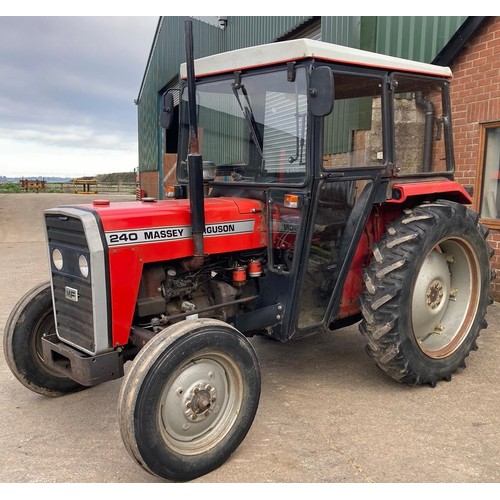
[(194, 159)]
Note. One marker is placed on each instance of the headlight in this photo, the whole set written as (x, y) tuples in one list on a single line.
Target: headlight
[(84, 265), (57, 259)]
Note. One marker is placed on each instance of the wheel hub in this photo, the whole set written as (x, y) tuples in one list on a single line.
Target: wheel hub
[(199, 402), (434, 295)]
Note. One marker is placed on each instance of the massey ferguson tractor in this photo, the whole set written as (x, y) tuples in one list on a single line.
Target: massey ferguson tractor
[(315, 190)]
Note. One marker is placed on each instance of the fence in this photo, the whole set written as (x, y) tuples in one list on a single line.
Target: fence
[(101, 187), (28, 185)]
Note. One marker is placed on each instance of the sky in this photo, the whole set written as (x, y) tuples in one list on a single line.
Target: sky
[(67, 90)]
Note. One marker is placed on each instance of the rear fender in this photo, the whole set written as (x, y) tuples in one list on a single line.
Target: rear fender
[(403, 192)]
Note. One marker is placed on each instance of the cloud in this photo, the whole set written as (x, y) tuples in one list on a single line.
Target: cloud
[(70, 83), (36, 159), (79, 136)]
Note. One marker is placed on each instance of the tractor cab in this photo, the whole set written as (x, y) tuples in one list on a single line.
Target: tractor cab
[(323, 135)]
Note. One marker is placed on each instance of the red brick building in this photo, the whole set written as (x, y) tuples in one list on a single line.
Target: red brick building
[(475, 94)]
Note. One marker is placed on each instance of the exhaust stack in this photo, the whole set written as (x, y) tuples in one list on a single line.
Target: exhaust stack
[(194, 159)]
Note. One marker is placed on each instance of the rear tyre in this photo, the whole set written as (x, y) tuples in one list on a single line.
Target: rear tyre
[(189, 399), (426, 292), (29, 321)]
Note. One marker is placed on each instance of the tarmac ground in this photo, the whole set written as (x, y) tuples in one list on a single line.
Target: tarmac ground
[(327, 414)]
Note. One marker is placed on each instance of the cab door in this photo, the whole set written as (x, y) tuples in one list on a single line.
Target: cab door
[(337, 220), (353, 157)]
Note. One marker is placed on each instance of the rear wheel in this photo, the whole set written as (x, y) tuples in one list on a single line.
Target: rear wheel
[(29, 321), (426, 293), (189, 399)]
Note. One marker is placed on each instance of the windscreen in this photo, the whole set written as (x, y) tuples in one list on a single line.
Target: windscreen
[(251, 128)]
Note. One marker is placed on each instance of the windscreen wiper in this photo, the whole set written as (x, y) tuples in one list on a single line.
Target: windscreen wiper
[(299, 142), (299, 131), (249, 116)]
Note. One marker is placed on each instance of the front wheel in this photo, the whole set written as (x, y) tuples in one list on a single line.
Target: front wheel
[(189, 399), (426, 293), (29, 321)]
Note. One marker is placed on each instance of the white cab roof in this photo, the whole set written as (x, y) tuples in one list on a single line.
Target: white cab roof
[(293, 50)]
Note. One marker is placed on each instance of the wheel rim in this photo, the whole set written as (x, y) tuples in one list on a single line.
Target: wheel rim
[(44, 326), (445, 297), (200, 403)]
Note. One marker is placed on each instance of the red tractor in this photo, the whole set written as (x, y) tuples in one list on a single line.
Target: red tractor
[(325, 196)]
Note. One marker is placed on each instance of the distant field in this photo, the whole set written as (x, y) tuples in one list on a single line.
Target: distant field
[(118, 182)]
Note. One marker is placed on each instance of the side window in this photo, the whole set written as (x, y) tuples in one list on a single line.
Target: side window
[(353, 131), (490, 173), (422, 135)]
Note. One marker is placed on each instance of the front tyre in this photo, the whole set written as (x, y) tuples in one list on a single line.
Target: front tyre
[(31, 319), (189, 399), (426, 293)]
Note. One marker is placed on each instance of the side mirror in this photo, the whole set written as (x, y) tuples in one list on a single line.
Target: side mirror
[(320, 92), (167, 110)]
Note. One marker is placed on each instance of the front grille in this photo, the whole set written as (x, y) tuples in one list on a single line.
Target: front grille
[(74, 315)]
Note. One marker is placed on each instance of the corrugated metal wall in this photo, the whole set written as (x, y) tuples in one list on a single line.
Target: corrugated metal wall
[(342, 30), (245, 31), (414, 37)]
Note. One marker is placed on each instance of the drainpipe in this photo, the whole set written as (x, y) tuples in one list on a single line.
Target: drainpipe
[(430, 113)]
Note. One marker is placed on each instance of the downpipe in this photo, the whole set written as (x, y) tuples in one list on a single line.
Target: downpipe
[(430, 113)]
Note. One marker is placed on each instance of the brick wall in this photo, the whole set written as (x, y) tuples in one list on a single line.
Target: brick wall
[(475, 94), (149, 183)]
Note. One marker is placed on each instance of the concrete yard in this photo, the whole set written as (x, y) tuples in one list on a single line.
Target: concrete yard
[(327, 414)]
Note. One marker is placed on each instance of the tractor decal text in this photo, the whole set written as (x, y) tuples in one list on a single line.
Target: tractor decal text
[(221, 228), (164, 234), (159, 234)]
